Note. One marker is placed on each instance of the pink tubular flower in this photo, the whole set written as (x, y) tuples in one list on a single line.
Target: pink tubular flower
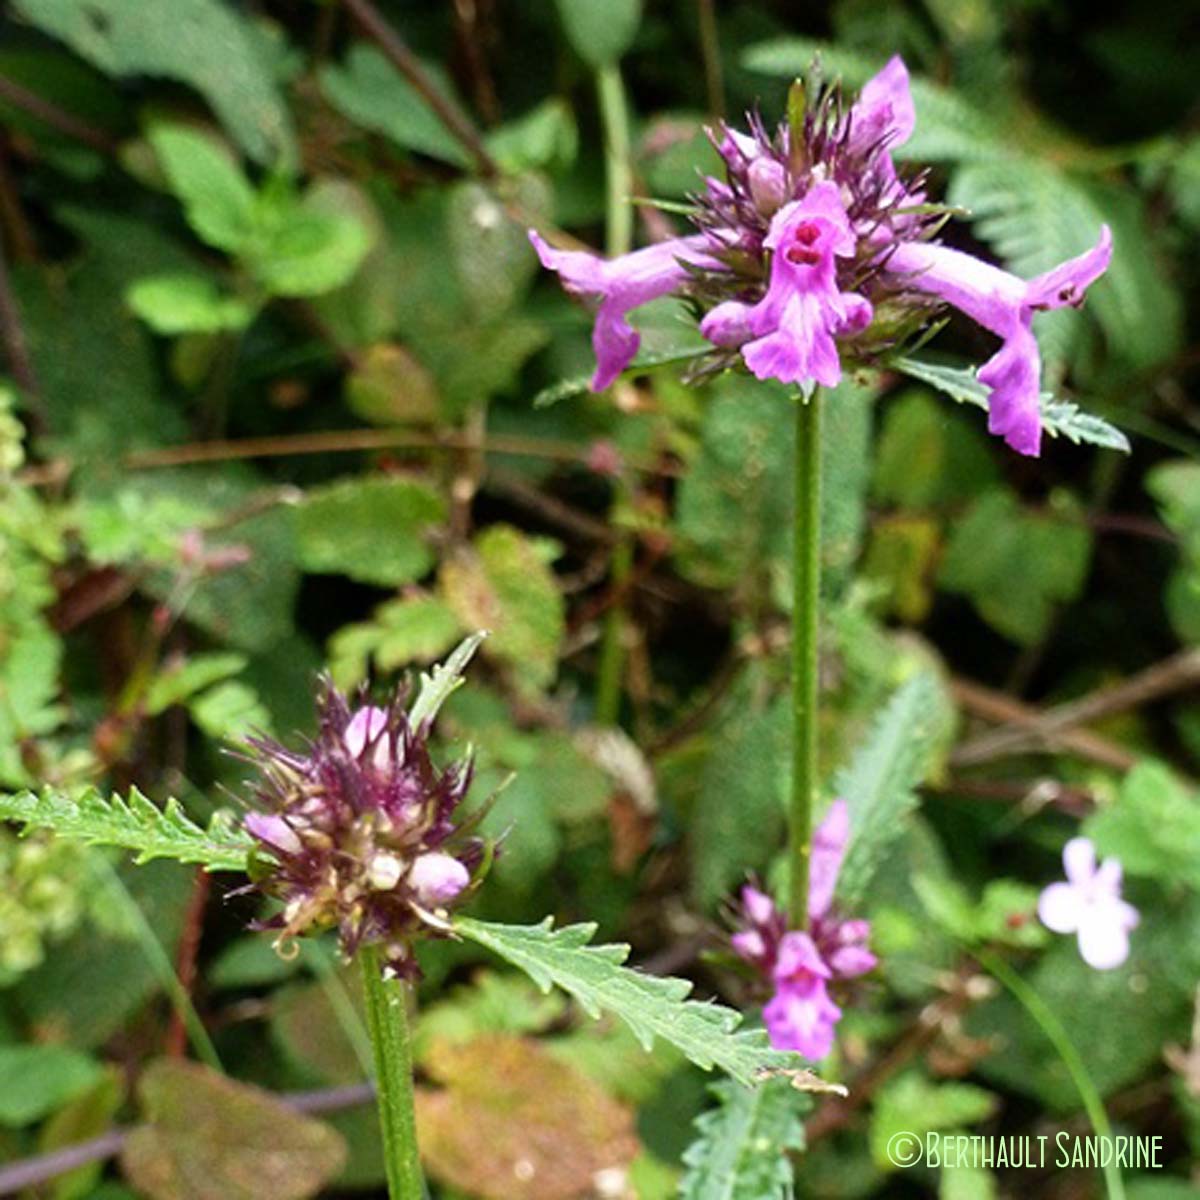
[(800, 966), (620, 285), (1089, 905), (1005, 304), (814, 252), (788, 335)]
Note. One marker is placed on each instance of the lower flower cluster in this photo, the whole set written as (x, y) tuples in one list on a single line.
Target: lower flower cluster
[(801, 965), (359, 834)]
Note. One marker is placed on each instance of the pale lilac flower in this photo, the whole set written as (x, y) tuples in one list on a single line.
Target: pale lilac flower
[(1005, 305), (437, 878), (1089, 905), (800, 966), (814, 252), (619, 285)]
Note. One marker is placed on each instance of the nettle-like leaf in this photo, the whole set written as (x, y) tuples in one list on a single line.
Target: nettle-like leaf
[(1060, 418), (135, 824), (741, 1150), (878, 784), (653, 1007)]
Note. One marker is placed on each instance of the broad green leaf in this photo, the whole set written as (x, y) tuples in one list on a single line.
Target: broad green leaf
[(544, 138), (203, 43), (307, 247), (742, 1151), (879, 783), (653, 1007), (230, 712), (913, 1104), (217, 199), (135, 824), (1017, 567), (37, 1080), (177, 304), (1153, 827), (416, 630), (204, 1137), (491, 251), (372, 529), (374, 95), (600, 31), (1060, 418), (504, 585)]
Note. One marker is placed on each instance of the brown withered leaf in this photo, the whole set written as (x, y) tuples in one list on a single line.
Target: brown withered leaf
[(211, 1138), (512, 1122)]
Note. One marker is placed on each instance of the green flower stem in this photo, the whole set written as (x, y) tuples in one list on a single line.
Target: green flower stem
[(806, 596), (614, 117), (612, 646), (387, 1019), (1058, 1037)]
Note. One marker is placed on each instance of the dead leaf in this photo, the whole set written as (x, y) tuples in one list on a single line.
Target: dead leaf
[(211, 1138), (515, 1123)]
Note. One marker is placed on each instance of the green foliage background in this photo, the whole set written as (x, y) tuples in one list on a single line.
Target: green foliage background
[(272, 337)]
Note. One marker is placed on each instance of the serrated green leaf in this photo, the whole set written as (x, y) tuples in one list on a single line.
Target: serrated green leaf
[(203, 43), (134, 824), (914, 1105), (653, 1007), (878, 784), (1060, 418), (742, 1152)]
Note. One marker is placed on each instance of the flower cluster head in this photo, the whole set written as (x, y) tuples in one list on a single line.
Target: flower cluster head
[(801, 965), (359, 833), (813, 252), (1089, 905)]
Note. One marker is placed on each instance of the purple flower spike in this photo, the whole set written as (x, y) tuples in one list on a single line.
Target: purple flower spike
[(1005, 305), (1089, 905), (360, 834), (813, 252), (800, 966), (620, 285)]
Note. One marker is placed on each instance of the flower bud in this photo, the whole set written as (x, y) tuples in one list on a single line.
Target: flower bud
[(437, 878)]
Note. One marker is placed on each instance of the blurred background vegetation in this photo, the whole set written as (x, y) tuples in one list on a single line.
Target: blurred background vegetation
[(272, 338)]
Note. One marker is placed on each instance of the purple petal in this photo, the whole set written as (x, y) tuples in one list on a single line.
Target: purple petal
[(365, 726), (1079, 860), (1061, 907), (273, 831), (437, 878), (828, 848), (1066, 284), (802, 1020), (749, 944), (850, 961), (620, 285), (884, 110), (728, 324), (1014, 406), (758, 906), (1103, 938), (799, 961)]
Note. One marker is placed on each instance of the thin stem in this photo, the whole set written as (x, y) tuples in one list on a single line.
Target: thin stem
[(612, 647), (396, 50), (806, 595), (614, 118), (1043, 1016), (387, 1018), (710, 48)]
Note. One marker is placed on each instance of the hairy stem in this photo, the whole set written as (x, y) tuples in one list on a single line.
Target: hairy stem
[(806, 595), (614, 117), (387, 1018)]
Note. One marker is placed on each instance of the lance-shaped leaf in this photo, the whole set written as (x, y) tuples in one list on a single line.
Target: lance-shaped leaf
[(653, 1007), (1060, 418), (135, 824), (741, 1150)]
